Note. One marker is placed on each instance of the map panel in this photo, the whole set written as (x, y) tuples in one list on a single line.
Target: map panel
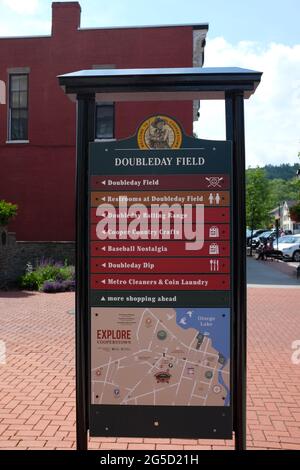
[(161, 356)]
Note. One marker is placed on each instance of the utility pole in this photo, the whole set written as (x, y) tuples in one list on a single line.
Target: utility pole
[(252, 226)]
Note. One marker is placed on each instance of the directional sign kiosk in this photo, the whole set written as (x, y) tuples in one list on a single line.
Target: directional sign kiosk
[(161, 284)]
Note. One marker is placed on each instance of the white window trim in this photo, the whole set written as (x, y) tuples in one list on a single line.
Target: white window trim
[(16, 71), (17, 141)]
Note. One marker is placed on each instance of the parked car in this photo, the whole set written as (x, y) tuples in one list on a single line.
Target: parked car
[(256, 233), (289, 247), (264, 235)]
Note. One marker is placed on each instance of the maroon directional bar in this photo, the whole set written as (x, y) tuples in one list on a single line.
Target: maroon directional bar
[(158, 182), (160, 265), (144, 249), (160, 282), (211, 215), (215, 232)]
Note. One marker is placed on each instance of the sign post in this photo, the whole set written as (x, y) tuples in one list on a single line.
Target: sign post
[(161, 294)]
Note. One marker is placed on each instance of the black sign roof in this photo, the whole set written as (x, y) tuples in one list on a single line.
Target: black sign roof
[(162, 83)]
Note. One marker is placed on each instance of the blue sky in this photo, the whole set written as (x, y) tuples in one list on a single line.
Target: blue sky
[(259, 20), (262, 20), (261, 34)]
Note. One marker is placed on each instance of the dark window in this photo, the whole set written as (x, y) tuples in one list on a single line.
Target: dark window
[(105, 116), (18, 107)]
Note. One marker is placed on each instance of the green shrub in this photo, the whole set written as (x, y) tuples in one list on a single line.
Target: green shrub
[(7, 211), (48, 271), (32, 281)]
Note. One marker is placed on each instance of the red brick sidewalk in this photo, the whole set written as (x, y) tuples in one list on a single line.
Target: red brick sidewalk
[(37, 408)]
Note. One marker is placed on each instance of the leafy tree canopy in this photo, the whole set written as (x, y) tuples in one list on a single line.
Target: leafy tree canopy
[(257, 198), (266, 189)]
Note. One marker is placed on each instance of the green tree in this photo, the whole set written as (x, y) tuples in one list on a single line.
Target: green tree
[(257, 198), (281, 190), (7, 211), (285, 171)]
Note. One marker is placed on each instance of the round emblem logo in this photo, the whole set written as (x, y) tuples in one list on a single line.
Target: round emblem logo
[(159, 132)]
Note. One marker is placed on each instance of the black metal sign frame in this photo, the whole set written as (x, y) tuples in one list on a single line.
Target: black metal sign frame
[(232, 85)]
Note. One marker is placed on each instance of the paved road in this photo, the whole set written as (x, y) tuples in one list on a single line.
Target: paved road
[(264, 273)]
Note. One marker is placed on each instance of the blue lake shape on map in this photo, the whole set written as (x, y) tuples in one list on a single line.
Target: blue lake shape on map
[(213, 323)]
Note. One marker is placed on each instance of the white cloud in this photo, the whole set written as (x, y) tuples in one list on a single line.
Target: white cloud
[(28, 27), (22, 6), (272, 114)]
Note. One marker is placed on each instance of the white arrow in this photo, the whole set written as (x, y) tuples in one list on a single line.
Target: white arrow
[(104, 265), (103, 248), (102, 299), (103, 182), (104, 281), (103, 199)]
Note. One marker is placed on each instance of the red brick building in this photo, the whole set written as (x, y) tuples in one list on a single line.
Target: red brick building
[(37, 124)]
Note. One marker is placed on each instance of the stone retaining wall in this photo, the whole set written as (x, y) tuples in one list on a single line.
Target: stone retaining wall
[(14, 256)]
